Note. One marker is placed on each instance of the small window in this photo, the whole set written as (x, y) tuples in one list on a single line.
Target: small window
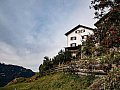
[(73, 44), (83, 30), (73, 38), (83, 37), (76, 31)]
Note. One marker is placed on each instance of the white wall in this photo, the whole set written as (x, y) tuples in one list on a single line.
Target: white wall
[(79, 39)]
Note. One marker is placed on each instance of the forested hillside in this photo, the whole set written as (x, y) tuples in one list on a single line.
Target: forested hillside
[(10, 72)]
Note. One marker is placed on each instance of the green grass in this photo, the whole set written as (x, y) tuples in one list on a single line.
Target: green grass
[(57, 81)]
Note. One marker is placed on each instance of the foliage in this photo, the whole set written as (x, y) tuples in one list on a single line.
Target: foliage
[(100, 6), (48, 63), (108, 32), (111, 58), (109, 82), (112, 81), (100, 51), (89, 46), (116, 58)]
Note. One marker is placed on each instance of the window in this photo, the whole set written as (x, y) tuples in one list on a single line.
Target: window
[(82, 37), (85, 37), (73, 38), (83, 30), (80, 31), (76, 31), (73, 44)]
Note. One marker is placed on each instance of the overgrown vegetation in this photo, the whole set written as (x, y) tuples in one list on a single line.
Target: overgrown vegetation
[(109, 82), (107, 35), (49, 63)]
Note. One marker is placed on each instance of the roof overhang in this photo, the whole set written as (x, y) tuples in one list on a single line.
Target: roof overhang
[(78, 26)]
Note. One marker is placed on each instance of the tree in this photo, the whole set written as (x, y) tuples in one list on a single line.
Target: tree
[(101, 6), (47, 64), (108, 32), (62, 57), (59, 58), (89, 46)]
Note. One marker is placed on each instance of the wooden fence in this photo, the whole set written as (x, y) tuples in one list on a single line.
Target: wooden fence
[(75, 69)]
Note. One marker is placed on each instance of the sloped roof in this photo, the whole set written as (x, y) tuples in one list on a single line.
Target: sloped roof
[(107, 16), (78, 26), (102, 18)]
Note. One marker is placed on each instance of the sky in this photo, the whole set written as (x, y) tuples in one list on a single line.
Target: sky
[(32, 29)]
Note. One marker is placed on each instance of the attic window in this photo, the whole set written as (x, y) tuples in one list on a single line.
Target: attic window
[(80, 31), (73, 38), (83, 30), (76, 31)]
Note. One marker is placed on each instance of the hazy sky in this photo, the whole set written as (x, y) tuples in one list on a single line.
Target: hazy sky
[(32, 29)]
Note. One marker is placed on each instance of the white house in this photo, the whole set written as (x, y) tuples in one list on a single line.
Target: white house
[(76, 36)]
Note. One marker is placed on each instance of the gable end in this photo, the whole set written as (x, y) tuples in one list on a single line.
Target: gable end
[(72, 30)]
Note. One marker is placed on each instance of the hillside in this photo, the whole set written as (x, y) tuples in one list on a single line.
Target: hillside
[(10, 72), (57, 81)]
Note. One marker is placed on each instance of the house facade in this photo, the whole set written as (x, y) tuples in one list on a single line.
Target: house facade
[(76, 37)]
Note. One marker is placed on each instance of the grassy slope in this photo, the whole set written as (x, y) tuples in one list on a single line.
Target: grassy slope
[(58, 81)]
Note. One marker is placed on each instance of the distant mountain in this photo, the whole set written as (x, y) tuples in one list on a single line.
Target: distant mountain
[(10, 72)]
